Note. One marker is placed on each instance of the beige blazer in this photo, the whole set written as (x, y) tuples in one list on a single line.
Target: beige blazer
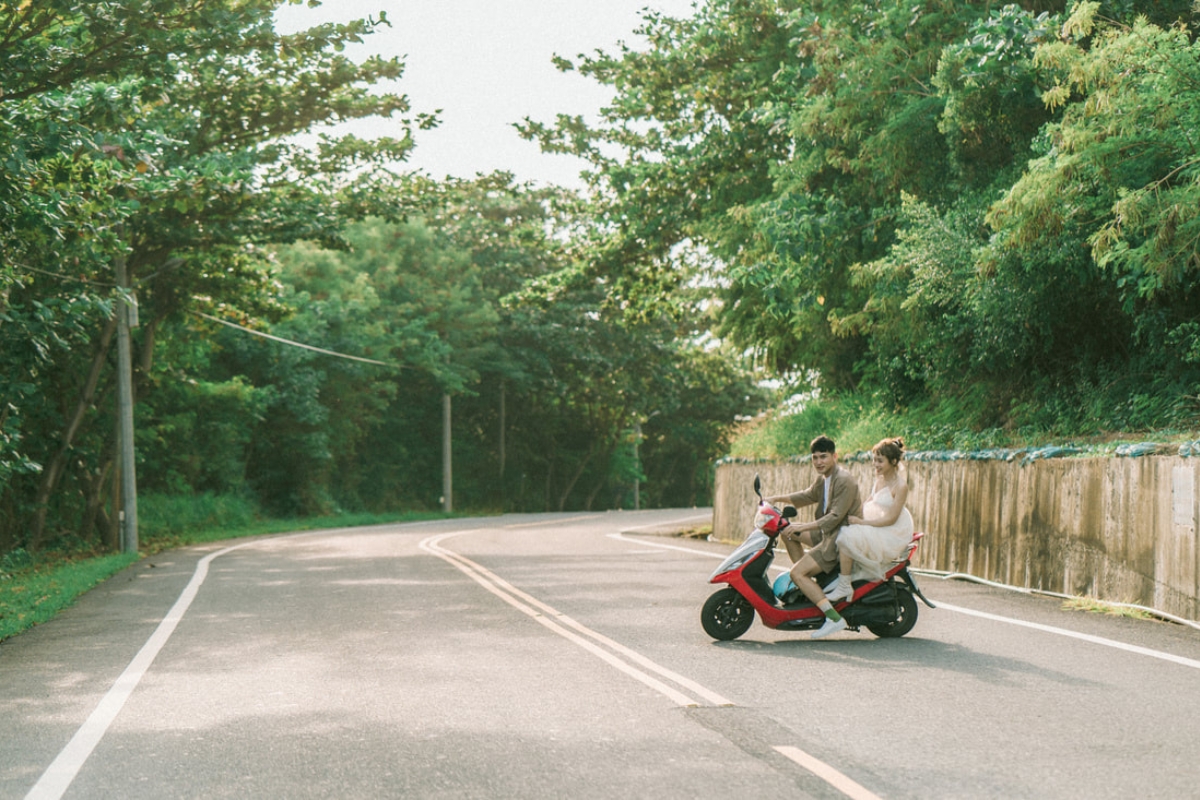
[(844, 501)]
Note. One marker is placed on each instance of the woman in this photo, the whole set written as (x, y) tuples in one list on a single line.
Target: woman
[(870, 545)]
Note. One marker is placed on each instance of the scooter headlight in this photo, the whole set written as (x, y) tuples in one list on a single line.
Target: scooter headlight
[(761, 519)]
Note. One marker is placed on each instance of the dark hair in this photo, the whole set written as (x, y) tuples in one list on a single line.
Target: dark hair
[(823, 444), (891, 449)]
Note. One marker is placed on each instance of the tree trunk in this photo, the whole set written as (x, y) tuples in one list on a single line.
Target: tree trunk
[(53, 471), (546, 489), (566, 492), (94, 507), (591, 498), (146, 356)]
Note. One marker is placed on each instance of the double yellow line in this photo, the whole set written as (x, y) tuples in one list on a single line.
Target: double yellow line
[(622, 658)]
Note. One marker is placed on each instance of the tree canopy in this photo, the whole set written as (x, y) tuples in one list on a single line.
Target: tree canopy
[(163, 135), (957, 204), (987, 212)]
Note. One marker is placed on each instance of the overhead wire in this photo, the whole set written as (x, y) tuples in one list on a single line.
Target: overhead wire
[(293, 343), (173, 263)]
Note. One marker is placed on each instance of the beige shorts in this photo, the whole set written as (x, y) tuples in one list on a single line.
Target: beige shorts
[(824, 550)]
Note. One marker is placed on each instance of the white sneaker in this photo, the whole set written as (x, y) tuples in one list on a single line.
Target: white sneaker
[(830, 627), (844, 590)]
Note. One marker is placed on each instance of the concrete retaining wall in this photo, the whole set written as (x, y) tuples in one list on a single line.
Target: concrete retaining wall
[(1117, 529)]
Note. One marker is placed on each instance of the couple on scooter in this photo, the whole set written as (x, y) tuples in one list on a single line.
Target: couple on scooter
[(861, 539)]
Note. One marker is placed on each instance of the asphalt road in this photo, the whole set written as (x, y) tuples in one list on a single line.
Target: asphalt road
[(553, 656)]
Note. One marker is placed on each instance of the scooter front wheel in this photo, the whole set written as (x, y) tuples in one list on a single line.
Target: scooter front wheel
[(726, 615)]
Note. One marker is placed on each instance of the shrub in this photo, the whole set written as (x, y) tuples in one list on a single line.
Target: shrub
[(164, 516)]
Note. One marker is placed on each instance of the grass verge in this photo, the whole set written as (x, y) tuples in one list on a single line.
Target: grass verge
[(37, 594), (699, 532), (1093, 606)]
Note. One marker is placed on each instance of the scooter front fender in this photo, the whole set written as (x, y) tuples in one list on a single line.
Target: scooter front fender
[(761, 598), (724, 577)]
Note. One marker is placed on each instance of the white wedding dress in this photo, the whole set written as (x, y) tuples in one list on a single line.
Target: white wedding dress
[(876, 550)]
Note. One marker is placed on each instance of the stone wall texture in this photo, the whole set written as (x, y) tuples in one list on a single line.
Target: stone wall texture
[(1116, 529)]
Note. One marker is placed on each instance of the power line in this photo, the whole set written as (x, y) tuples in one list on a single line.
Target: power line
[(63, 276), (447, 471), (281, 340)]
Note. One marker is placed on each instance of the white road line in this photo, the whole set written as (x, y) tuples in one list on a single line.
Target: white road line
[(62, 771), (1129, 648), (621, 537), (599, 516), (692, 518), (559, 622), (558, 521), (837, 780)]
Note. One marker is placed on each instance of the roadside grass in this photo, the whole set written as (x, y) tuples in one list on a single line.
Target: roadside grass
[(1094, 606), (699, 532), (40, 592), (34, 589)]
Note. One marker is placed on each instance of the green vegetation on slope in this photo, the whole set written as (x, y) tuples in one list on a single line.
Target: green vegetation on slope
[(858, 423)]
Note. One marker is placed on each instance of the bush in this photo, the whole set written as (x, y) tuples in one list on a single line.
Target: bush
[(167, 516), (855, 423)]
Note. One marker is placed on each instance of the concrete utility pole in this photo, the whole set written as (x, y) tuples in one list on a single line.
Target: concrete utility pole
[(637, 465), (126, 319), (502, 425), (447, 466)]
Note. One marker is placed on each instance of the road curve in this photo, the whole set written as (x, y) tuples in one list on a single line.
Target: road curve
[(561, 655)]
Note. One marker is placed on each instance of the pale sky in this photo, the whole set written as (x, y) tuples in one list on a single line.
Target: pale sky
[(487, 64)]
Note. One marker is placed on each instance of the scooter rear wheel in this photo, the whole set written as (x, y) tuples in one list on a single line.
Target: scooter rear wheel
[(904, 621), (726, 615)]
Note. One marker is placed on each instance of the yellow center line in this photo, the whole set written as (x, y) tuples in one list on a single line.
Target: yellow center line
[(559, 622)]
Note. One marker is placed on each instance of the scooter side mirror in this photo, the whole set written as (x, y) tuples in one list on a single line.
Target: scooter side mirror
[(758, 487), (789, 512)]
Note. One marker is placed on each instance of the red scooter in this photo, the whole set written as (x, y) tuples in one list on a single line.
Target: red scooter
[(886, 608)]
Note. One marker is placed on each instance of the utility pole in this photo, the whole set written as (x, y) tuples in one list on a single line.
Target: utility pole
[(501, 495), (637, 465), (126, 318), (447, 466), (502, 426)]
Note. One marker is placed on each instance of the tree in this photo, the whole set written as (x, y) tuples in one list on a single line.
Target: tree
[(1125, 155), (548, 382), (1108, 212), (830, 170), (775, 139), (176, 158), (691, 135)]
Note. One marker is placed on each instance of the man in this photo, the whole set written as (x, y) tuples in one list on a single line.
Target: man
[(835, 493)]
